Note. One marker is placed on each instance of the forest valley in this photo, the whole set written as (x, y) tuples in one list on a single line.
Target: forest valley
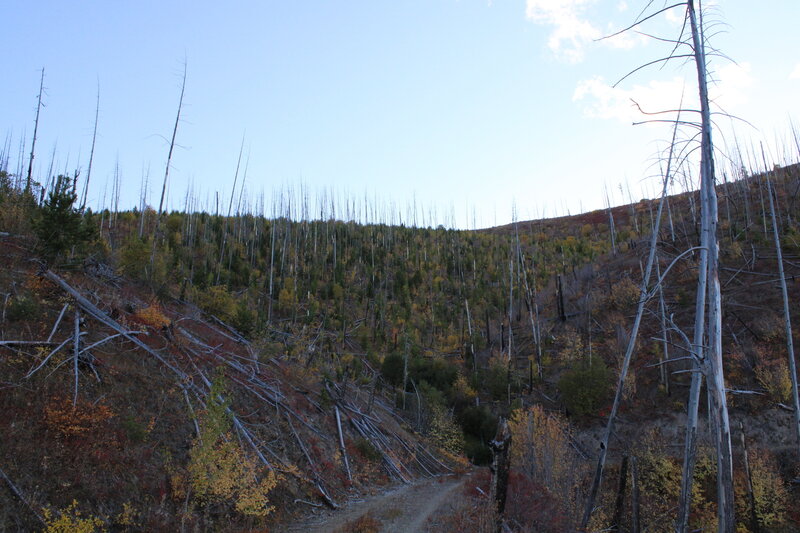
[(189, 371)]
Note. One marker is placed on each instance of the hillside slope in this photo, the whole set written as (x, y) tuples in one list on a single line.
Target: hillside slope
[(214, 354)]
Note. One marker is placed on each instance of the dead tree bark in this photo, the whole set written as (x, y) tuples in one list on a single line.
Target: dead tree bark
[(58, 321), (786, 317), (754, 525), (665, 341), (166, 169), (635, 525), (85, 192), (533, 315), (616, 523), (76, 352), (501, 447), (18, 493), (560, 299), (35, 131), (227, 218), (471, 344), (341, 444), (713, 360)]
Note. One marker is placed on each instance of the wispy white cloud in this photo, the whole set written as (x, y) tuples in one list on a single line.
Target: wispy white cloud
[(795, 75), (601, 100), (571, 31), (731, 87), (729, 92)]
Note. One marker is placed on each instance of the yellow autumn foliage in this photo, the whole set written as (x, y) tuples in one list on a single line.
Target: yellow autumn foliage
[(152, 316), (773, 375), (540, 449), (219, 470), (70, 520)]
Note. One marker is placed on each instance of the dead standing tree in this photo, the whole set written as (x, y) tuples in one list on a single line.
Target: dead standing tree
[(710, 360), (91, 152), (166, 170), (707, 349), (35, 131)]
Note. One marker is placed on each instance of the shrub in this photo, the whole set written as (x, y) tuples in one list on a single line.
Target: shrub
[(245, 319), (770, 493), (659, 482), (624, 294), (367, 450), (217, 301), (70, 520), (22, 308), (541, 450), (461, 393), (152, 316), (72, 421), (134, 257), (5, 186), (772, 373), (444, 431), (433, 370), (585, 388), (571, 346), (479, 425), (532, 505), (497, 377), (218, 470), (392, 369)]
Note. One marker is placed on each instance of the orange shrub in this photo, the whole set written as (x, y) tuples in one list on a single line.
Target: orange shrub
[(71, 421), (152, 316)]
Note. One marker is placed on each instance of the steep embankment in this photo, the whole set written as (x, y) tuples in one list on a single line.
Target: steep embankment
[(151, 414)]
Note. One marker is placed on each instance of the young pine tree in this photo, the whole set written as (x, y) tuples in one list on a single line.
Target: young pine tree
[(59, 225)]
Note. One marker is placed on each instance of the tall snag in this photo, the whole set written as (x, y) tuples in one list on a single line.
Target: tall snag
[(166, 170), (35, 131), (711, 363)]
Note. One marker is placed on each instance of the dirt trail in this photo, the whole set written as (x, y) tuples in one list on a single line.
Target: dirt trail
[(405, 509)]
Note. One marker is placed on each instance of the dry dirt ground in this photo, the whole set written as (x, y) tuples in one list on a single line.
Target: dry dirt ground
[(405, 509)]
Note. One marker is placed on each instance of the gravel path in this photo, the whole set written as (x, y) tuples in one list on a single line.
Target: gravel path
[(405, 509)]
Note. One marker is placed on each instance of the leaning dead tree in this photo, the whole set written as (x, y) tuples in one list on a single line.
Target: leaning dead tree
[(91, 152), (645, 293), (786, 315), (166, 169)]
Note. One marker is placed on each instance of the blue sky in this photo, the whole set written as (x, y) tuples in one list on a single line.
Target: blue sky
[(466, 109)]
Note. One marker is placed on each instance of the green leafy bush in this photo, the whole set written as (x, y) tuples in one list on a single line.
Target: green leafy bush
[(21, 308), (217, 301), (479, 425), (585, 387), (392, 369)]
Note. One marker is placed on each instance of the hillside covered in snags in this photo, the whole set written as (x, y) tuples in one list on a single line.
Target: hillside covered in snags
[(203, 372)]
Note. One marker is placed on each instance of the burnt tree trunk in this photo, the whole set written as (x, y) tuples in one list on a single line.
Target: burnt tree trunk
[(501, 461), (616, 524)]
